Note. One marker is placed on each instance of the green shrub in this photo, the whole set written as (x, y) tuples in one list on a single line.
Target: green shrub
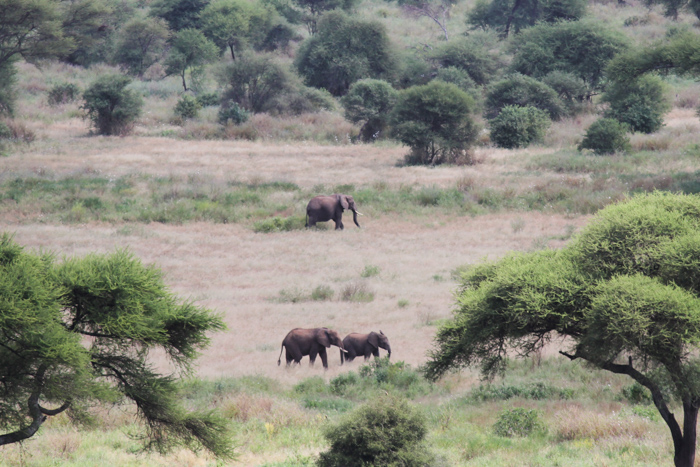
[(536, 391), (232, 113), (370, 271), (436, 122), (385, 432), (110, 106), (571, 89), (322, 293), (476, 54), (279, 224), (517, 127), (369, 101), (500, 14), (523, 91), (343, 51), (640, 103), (356, 292), (340, 384), (63, 93), (187, 107), (517, 422), (328, 404), (637, 394), (5, 131), (606, 136), (314, 385), (208, 99)]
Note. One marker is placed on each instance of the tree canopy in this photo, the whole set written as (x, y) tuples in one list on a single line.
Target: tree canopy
[(626, 293), (79, 331)]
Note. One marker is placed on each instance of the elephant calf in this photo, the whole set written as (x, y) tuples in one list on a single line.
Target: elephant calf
[(312, 342), (325, 208), (364, 344)]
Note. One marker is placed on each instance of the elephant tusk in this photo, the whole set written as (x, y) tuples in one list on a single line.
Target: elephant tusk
[(358, 212)]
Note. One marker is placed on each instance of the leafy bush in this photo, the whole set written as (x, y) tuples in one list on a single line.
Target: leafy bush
[(385, 432), (517, 127), (141, 44), (536, 391), (523, 91), (232, 113), (606, 136), (343, 51), (477, 54), (517, 422), (435, 121), (255, 81), (370, 271), (369, 101), (187, 107), (209, 99), (357, 292), (640, 103), (5, 131), (110, 106), (509, 16), (637, 394), (8, 78), (322, 293), (63, 93), (582, 48), (279, 224), (571, 89)]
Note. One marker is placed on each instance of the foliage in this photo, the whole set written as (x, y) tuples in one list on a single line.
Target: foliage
[(517, 422), (89, 25), (672, 8), (625, 292), (8, 78), (640, 103), (478, 54), (190, 50), (62, 93), (435, 121), (677, 54), (582, 48), (111, 106), (312, 10), (180, 14), (506, 16), (141, 44), (536, 391), (369, 101), (255, 82), (232, 113), (517, 127), (343, 51), (80, 331), (384, 432), (523, 91), (606, 136), (571, 89), (233, 24), (279, 224), (187, 107)]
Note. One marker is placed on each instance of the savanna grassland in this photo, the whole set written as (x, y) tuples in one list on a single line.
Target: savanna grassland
[(222, 216)]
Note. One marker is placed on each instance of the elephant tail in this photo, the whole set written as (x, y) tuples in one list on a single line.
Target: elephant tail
[(279, 360)]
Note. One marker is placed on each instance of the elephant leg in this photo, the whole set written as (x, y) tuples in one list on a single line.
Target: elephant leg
[(324, 357), (339, 224), (312, 357), (311, 222), (376, 353)]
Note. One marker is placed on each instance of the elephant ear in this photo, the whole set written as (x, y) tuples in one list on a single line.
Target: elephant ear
[(373, 339), (343, 201), (324, 339)]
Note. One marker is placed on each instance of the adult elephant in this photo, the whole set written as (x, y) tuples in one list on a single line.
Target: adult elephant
[(364, 344), (325, 208), (312, 342)]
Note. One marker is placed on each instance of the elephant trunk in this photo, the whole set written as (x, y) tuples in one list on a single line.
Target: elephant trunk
[(354, 217), (388, 349)]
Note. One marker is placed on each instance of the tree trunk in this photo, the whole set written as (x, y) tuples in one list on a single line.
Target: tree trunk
[(684, 455)]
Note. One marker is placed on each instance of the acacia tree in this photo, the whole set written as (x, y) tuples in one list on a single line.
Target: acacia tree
[(233, 23), (190, 50), (369, 101), (626, 292), (80, 331)]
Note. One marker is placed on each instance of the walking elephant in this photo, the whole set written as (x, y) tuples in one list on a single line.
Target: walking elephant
[(312, 342), (356, 344), (325, 208)]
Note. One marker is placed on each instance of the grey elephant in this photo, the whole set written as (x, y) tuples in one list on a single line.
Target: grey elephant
[(326, 208), (356, 344), (312, 342)]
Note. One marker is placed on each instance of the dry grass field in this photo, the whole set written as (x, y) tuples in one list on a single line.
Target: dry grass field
[(240, 274)]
